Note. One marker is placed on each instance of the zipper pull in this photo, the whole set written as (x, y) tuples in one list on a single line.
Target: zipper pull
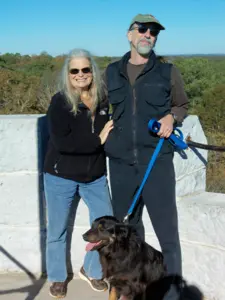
[(92, 124), (55, 168)]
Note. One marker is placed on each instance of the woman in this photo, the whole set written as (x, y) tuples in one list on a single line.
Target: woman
[(75, 163)]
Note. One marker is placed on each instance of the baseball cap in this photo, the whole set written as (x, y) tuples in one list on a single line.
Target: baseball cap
[(140, 18)]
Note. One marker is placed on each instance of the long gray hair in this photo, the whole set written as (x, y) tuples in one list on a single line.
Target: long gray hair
[(96, 89)]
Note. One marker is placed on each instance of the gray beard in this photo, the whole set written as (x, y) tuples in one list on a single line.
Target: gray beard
[(144, 49)]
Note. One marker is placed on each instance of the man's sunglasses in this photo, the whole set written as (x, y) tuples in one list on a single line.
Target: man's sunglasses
[(83, 70), (143, 28)]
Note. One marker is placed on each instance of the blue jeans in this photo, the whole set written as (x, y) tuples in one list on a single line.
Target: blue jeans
[(59, 194)]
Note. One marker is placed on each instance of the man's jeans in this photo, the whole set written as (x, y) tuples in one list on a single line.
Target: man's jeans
[(59, 194)]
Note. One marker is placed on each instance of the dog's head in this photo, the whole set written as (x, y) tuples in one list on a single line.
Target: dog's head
[(101, 233), (105, 231)]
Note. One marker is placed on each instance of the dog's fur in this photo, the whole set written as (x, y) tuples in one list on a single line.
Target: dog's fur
[(134, 269)]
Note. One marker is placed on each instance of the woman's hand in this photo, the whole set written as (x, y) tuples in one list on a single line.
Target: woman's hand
[(105, 131), (166, 126)]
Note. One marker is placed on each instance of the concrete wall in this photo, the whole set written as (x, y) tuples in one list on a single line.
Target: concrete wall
[(22, 208)]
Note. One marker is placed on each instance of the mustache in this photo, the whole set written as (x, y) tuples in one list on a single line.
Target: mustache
[(149, 41)]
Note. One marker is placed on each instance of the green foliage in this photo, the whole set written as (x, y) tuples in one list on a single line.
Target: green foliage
[(10, 58), (195, 72), (39, 64), (18, 92), (215, 180), (200, 75), (211, 109), (103, 61)]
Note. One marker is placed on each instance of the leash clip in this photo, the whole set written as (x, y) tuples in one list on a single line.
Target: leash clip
[(126, 219)]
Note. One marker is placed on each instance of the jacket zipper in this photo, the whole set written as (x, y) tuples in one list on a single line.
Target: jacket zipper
[(134, 127), (92, 124), (56, 165), (93, 131), (89, 161)]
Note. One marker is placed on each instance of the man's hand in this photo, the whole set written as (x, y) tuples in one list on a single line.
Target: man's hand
[(166, 126)]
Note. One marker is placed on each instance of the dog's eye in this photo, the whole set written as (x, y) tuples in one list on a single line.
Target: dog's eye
[(100, 227)]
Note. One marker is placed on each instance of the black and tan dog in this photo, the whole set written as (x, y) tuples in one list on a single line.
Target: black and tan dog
[(134, 269)]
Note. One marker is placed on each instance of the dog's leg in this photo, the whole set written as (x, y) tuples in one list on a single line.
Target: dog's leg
[(113, 294)]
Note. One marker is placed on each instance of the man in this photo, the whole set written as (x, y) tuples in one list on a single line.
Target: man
[(141, 87)]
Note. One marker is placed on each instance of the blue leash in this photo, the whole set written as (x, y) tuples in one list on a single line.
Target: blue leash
[(176, 139)]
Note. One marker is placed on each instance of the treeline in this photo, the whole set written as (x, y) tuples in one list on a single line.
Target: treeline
[(28, 82)]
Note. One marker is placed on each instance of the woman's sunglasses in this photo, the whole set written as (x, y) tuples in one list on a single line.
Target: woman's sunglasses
[(143, 28), (83, 70)]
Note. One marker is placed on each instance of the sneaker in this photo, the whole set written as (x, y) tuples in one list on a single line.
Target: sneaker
[(97, 285), (58, 289)]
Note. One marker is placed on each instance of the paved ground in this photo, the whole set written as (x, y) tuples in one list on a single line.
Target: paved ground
[(20, 287)]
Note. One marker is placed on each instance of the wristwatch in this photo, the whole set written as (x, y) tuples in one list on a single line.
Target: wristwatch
[(174, 117)]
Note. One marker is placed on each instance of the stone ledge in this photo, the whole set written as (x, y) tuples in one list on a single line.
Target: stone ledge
[(24, 151), (30, 139), (20, 199)]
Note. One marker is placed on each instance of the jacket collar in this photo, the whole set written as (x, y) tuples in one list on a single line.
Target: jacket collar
[(124, 61)]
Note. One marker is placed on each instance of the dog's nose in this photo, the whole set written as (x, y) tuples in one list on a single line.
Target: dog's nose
[(84, 236)]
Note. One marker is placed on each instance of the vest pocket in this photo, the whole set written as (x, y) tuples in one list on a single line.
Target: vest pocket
[(116, 99), (155, 94)]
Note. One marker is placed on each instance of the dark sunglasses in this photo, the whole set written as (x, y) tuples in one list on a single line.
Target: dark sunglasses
[(83, 70), (143, 28)]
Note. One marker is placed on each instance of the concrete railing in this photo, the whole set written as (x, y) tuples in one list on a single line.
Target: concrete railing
[(22, 206)]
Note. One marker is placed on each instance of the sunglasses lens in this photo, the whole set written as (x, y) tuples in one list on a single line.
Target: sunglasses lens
[(86, 70), (154, 32), (142, 29), (74, 71)]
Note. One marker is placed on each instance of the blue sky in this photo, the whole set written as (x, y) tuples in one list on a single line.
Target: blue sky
[(33, 26)]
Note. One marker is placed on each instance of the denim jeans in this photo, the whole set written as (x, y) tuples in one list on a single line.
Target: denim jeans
[(59, 194)]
